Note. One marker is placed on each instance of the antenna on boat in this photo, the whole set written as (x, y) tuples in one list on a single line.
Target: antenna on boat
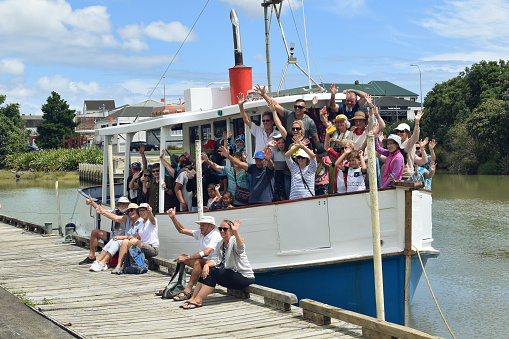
[(291, 59)]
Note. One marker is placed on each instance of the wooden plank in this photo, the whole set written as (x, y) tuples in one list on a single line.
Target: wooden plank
[(365, 321)]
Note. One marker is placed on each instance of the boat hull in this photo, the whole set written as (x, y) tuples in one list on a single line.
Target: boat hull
[(349, 285)]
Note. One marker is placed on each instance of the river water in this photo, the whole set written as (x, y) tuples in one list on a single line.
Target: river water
[(470, 278)]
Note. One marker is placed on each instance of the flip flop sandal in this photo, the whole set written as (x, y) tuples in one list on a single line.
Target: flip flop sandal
[(182, 306), (182, 296), (192, 308), (160, 293)]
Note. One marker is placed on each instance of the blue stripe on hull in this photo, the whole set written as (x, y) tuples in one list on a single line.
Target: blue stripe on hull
[(348, 285)]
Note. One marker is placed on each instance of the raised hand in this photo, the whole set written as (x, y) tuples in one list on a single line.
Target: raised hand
[(368, 100), (142, 149), (418, 116), (171, 212), (235, 226), (432, 144), (224, 151), (375, 129), (423, 143), (271, 143), (241, 99), (267, 153), (186, 155), (432, 166), (136, 175), (162, 154), (333, 89), (217, 187), (381, 137), (230, 133), (89, 200), (205, 157), (260, 90), (361, 153), (315, 101)]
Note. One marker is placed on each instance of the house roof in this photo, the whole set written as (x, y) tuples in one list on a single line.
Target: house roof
[(142, 109), (392, 101), (96, 105), (377, 88)]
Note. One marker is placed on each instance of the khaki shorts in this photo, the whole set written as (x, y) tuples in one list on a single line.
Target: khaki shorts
[(149, 250)]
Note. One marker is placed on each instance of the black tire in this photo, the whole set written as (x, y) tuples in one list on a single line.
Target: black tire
[(134, 149), (153, 149)]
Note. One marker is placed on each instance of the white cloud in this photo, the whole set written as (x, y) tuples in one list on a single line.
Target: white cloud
[(348, 7), (252, 8), (169, 32), (65, 86), (12, 66), (483, 21)]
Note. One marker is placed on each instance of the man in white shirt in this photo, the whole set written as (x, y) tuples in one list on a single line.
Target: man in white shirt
[(208, 237), (263, 134)]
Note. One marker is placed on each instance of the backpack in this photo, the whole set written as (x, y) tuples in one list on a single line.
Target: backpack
[(134, 262), (177, 281)]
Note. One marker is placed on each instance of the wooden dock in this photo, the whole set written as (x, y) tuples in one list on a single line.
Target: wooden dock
[(43, 271)]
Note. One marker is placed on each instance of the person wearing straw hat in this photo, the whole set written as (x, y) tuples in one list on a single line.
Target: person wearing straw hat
[(117, 228), (131, 220), (208, 236), (340, 133)]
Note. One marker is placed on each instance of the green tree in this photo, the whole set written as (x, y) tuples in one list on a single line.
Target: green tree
[(58, 122), (14, 139), (11, 111)]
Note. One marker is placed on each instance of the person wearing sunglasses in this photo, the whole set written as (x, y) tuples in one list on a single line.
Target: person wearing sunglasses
[(117, 228), (151, 189), (299, 113), (302, 170), (131, 220), (228, 266), (208, 238), (264, 133), (351, 104)]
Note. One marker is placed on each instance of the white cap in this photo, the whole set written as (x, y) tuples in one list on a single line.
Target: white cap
[(402, 127), (302, 153), (396, 138), (144, 205)]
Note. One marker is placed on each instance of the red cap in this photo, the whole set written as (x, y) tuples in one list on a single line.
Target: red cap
[(210, 144)]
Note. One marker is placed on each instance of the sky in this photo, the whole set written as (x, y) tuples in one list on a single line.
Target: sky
[(120, 49)]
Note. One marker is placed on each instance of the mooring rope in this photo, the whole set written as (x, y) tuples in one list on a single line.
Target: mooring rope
[(433, 294)]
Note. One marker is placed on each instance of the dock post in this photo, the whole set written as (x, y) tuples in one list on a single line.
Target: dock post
[(199, 184), (375, 228), (59, 219), (110, 176)]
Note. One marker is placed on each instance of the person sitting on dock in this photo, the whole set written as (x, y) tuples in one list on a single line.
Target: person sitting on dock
[(147, 238), (262, 175), (228, 266), (310, 131), (351, 104), (208, 237), (262, 134), (117, 228), (132, 220)]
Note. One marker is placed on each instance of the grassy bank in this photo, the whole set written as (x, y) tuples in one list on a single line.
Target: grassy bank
[(53, 160), (40, 175)]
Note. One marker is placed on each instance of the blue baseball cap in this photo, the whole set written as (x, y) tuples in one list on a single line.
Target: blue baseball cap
[(259, 155)]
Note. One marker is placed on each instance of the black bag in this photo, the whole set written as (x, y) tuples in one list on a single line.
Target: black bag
[(177, 281)]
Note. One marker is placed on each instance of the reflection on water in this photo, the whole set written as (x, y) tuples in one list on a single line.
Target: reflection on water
[(470, 277), (35, 200), (470, 228)]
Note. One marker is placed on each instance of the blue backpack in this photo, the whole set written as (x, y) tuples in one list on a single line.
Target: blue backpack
[(134, 262)]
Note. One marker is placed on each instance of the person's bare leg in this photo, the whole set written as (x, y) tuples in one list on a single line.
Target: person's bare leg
[(195, 275), (198, 297), (122, 252), (106, 258), (94, 240)]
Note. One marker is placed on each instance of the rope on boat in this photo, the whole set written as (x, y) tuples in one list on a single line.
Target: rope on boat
[(433, 294), (174, 57)]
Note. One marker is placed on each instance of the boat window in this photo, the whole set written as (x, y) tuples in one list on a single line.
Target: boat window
[(206, 133), (193, 136)]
